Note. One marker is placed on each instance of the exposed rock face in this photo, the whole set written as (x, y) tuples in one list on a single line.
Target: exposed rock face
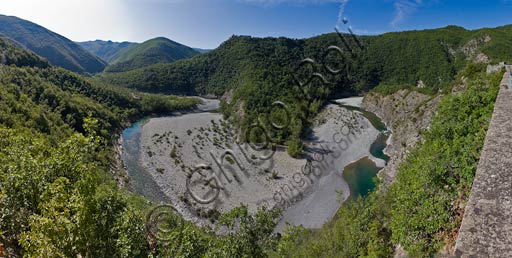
[(470, 49), (228, 96), (117, 168), (406, 113), (496, 68), (481, 58)]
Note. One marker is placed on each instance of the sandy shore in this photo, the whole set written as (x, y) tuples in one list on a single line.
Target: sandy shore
[(208, 104), (353, 101), (172, 149), (347, 135)]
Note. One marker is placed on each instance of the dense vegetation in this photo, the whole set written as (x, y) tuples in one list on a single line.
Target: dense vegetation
[(106, 50), (59, 50), (72, 97), (432, 56), (423, 209), (10, 54), (257, 71), (58, 200), (57, 197), (153, 51)]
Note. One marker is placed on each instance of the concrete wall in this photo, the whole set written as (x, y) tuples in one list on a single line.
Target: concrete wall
[(486, 229)]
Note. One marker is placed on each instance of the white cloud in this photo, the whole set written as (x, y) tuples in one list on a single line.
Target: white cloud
[(404, 8), (340, 13)]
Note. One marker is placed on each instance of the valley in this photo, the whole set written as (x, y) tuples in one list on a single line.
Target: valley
[(296, 147), (167, 150)]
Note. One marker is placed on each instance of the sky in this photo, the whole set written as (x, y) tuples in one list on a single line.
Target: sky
[(207, 23)]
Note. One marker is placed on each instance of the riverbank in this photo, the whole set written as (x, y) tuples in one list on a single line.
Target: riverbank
[(406, 114), (119, 169), (165, 152), (341, 136), (172, 148)]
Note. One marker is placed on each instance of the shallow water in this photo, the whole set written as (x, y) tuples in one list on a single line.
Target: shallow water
[(360, 177), (377, 148), (361, 174), (141, 182)]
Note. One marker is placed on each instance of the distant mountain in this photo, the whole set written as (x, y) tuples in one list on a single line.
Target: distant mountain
[(106, 50), (252, 72), (400, 58), (153, 51), (202, 51), (59, 50)]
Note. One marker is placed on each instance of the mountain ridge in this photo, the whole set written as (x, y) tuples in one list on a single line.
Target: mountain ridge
[(452, 45), (105, 49), (251, 73), (13, 54), (59, 50), (153, 51)]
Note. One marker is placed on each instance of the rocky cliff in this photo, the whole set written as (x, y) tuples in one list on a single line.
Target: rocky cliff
[(406, 113)]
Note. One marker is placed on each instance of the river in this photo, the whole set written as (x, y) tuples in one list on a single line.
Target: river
[(357, 171), (141, 181)]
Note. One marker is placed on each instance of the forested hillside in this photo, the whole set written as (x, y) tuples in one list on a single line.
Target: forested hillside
[(10, 54), (57, 197), (56, 130), (106, 50), (422, 211), (153, 51), (59, 50), (432, 56), (258, 71)]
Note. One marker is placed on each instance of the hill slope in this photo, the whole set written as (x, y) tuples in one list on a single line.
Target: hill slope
[(11, 54), (421, 212), (153, 51), (106, 50), (257, 71), (202, 50), (432, 56), (58, 197), (59, 50)]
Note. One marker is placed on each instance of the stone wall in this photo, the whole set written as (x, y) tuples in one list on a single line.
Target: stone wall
[(486, 229)]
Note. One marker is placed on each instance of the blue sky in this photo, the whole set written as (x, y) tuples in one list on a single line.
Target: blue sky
[(207, 23)]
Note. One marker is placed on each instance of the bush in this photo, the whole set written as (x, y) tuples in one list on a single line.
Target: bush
[(174, 152), (295, 147)]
